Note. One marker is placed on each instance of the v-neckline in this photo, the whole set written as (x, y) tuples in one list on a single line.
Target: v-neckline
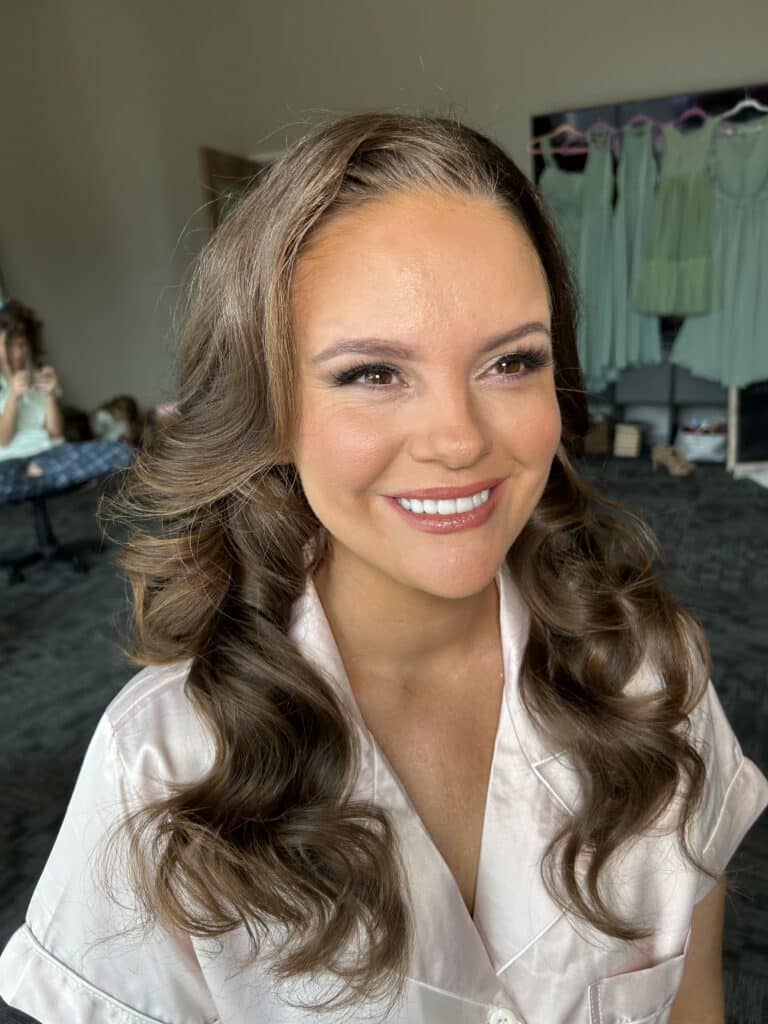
[(380, 759), (454, 950)]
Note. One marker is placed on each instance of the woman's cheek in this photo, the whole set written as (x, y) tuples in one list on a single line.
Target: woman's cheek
[(353, 449), (531, 431), (545, 425)]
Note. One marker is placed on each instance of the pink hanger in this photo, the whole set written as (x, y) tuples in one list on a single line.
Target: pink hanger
[(534, 146), (693, 111), (601, 125), (639, 119)]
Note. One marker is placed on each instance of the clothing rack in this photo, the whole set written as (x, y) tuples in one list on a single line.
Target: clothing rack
[(568, 131), (614, 132)]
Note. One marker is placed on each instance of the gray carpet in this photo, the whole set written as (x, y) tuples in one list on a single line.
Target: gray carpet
[(61, 667)]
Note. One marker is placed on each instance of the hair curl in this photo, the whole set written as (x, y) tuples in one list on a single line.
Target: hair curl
[(269, 836)]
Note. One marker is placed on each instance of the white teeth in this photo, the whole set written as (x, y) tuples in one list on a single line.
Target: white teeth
[(444, 507)]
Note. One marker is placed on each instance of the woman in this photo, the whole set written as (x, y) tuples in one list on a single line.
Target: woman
[(34, 457), (419, 737), (30, 416)]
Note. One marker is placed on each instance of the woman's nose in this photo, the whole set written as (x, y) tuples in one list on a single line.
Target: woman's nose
[(449, 427)]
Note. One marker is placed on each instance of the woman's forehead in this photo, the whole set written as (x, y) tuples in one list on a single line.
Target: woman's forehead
[(420, 256)]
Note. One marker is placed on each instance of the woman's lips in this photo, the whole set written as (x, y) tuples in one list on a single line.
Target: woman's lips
[(436, 493), (433, 523)]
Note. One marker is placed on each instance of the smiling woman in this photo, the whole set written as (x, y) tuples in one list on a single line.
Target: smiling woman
[(419, 735), (457, 289)]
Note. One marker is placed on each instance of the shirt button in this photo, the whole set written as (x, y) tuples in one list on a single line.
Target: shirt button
[(499, 1016)]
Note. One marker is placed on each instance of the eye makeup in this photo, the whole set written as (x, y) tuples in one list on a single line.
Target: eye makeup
[(531, 359)]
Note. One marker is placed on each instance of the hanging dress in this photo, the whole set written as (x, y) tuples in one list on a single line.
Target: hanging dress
[(730, 345), (675, 275), (581, 202), (562, 192), (636, 336)]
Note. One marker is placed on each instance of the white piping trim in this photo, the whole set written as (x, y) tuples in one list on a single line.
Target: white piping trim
[(723, 805), (42, 952), (444, 992), (528, 945), (554, 793), (546, 760)]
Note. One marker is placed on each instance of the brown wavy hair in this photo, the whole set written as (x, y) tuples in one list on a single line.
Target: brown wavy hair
[(269, 836)]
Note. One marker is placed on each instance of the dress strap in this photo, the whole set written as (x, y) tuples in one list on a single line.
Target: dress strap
[(546, 150)]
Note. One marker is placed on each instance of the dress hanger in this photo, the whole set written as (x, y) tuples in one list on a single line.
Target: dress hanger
[(747, 103), (639, 119), (694, 111), (534, 146)]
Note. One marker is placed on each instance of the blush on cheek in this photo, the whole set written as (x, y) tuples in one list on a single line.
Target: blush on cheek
[(537, 439), (348, 454)]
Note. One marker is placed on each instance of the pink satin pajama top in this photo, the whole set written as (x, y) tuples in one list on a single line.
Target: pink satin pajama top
[(518, 960)]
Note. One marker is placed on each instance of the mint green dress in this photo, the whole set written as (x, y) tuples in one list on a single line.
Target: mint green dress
[(675, 275), (636, 336), (581, 206), (562, 192), (730, 344)]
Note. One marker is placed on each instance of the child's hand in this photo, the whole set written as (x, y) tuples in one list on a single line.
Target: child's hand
[(20, 382), (46, 379)]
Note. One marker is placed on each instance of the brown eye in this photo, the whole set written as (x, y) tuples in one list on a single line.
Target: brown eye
[(375, 376), (372, 375), (515, 364), (522, 363)]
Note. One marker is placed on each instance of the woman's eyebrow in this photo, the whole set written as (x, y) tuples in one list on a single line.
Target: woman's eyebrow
[(396, 350)]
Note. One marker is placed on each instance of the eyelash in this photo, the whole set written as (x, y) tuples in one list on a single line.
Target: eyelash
[(532, 359)]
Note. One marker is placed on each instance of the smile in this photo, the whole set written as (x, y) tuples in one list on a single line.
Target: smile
[(446, 515), (446, 506)]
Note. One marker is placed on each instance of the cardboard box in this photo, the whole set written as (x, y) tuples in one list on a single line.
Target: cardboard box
[(599, 437), (628, 440)]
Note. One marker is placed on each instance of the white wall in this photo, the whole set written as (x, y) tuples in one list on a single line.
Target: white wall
[(99, 182)]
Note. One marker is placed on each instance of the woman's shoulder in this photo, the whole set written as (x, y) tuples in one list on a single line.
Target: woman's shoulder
[(152, 687), (157, 734)]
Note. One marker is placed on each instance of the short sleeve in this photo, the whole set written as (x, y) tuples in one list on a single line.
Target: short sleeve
[(735, 790), (65, 963)]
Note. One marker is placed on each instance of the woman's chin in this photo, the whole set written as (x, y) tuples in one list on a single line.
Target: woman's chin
[(452, 580)]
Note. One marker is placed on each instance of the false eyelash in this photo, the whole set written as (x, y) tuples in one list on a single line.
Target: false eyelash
[(532, 358)]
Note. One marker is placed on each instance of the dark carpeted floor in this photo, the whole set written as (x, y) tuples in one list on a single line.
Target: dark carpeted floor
[(61, 666)]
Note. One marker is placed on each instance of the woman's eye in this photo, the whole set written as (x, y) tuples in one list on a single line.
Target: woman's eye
[(523, 363), (375, 371), (513, 363), (377, 376)]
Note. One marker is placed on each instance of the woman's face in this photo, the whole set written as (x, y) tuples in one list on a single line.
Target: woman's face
[(17, 349), (443, 278)]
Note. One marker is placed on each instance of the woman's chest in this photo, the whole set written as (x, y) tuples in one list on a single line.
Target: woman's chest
[(441, 751)]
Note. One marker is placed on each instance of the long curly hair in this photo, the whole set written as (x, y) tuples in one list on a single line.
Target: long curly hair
[(269, 836)]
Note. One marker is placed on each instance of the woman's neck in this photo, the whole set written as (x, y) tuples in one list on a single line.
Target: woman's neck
[(406, 638)]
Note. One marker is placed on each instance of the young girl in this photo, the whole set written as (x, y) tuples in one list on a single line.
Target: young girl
[(30, 415), (419, 736), (34, 457)]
